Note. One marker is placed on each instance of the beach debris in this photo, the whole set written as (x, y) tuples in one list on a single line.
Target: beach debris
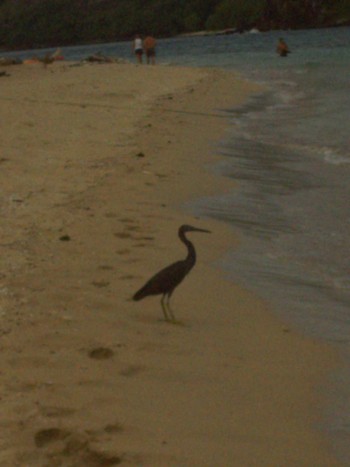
[(4, 73), (47, 59), (5, 61), (140, 154), (100, 58), (101, 353)]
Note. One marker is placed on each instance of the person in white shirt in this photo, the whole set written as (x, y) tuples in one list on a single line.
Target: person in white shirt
[(138, 48)]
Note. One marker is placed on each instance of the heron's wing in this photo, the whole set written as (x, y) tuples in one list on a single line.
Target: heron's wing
[(164, 281)]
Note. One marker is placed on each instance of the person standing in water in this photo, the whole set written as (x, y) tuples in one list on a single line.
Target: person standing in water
[(149, 44), (138, 48), (282, 48)]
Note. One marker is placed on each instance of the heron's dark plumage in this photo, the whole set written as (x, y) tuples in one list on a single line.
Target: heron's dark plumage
[(166, 280)]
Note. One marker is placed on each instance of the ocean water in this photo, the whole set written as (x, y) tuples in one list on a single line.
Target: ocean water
[(288, 149)]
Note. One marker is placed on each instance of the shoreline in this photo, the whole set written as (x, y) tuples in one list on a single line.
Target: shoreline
[(116, 150), (199, 33)]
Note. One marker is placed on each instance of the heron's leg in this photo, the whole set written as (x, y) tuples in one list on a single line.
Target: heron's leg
[(171, 313), (164, 308)]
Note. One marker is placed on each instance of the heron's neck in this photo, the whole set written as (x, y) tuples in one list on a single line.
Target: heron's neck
[(191, 255)]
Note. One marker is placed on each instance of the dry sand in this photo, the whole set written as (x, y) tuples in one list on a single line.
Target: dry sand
[(96, 161)]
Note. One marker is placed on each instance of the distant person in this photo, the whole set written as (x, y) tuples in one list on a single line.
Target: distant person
[(47, 60), (138, 48), (282, 48), (149, 44), (57, 55)]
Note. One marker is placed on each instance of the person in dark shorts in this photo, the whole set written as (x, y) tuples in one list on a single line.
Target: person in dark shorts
[(149, 44), (138, 48), (282, 48)]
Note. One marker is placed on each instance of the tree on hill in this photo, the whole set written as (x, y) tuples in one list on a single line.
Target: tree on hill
[(61, 22), (239, 14)]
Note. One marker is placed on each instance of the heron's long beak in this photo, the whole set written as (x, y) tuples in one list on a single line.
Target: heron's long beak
[(201, 230)]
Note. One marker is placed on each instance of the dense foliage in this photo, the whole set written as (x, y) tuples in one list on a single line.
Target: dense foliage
[(38, 23)]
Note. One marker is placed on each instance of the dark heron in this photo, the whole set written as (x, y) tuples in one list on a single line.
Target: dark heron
[(165, 281)]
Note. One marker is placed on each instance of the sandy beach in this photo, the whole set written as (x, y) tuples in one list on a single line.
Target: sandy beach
[(96, 164)]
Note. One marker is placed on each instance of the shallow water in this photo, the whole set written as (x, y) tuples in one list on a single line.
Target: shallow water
[(288, 151)]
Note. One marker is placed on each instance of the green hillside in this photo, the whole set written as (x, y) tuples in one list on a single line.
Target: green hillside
[(37, 23)]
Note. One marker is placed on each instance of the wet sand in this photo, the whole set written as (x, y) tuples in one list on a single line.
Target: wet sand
[(96, 163)]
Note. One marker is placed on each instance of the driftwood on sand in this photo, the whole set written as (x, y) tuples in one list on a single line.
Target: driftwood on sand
[(5, 61), (100, 58)]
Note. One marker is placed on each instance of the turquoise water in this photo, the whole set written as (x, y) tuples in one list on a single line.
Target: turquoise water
[(288, 150)]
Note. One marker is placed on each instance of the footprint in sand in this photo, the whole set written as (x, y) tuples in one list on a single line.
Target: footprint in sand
[(128, 277), (56, 411), (100, 284), (113, 428), (122, 235), (76, 448), (132, 228), (146, 238), (151, 347), (143, 241), (131, 370), (49, 435), (123, 252), (101, 353), (127, 232), (105, 267)]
